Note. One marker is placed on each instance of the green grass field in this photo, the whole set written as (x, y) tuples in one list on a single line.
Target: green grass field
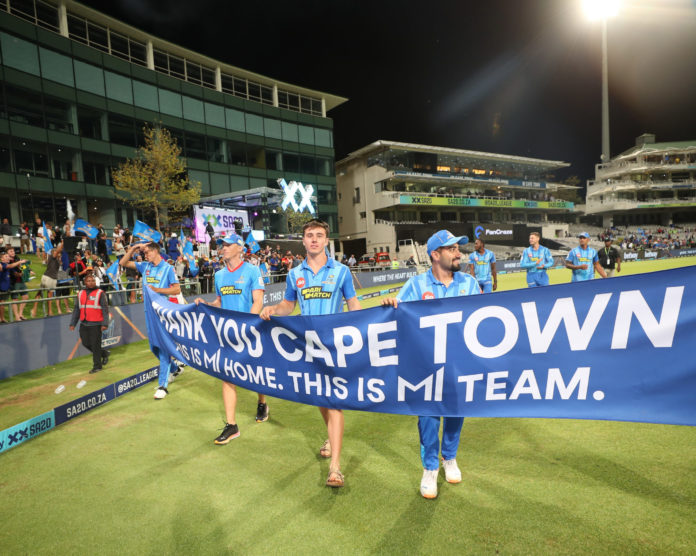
[(142, 477)]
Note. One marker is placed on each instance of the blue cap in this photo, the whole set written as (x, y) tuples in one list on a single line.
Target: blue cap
[(232, 239), (584, 234), (443, 238)]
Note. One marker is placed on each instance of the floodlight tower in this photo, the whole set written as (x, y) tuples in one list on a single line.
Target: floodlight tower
[(603, 10)]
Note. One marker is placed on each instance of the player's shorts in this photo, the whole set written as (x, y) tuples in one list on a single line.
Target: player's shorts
[(536, 279), (486, 286)]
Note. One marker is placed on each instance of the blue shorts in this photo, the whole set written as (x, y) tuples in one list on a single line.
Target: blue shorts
[(535, 279), (486, 286)]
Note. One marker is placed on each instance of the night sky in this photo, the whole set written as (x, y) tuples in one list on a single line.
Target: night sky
[(519, 77)]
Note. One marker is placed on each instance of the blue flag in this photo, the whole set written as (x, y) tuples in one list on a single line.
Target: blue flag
[(187, 252), (253, 245), (143, 231), (86, 228), (618, 349), (48, 244), (114, 274)]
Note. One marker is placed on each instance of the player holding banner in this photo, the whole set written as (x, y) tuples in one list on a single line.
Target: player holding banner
[(239, 287), (161, 279), (443, 279), (320, 285)]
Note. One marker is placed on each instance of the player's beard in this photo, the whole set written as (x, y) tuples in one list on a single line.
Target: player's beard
[(455, 265)]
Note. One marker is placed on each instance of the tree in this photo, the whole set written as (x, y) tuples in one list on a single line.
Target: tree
[(156, 177), (296, 220)]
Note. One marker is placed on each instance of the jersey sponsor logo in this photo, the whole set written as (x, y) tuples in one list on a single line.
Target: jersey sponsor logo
[(300, 282), (230, 290), (428, 295), (315, 292), (152, 280)]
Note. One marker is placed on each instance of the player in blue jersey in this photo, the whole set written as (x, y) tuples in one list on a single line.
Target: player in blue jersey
[(482, 267), (160, 277), (583, 260), (443, 279), (320, 285), (536, 259), (239, 287)]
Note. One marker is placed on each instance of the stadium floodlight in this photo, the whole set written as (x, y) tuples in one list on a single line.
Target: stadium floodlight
[(601, 9)]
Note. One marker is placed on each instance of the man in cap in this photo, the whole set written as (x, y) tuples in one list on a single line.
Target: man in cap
[(443, 279), (610, 258), (239, 287), (583, 260)]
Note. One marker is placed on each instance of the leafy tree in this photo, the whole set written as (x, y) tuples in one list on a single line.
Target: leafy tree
[(296, 220), (156, 177)]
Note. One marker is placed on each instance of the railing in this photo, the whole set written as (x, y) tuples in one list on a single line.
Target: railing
[(115, 298)]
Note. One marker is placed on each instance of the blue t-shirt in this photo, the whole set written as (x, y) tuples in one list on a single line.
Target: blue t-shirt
[(159, 276), (532, 257), (582, 256), (426, 286), (321, 293), (482, 264), (173, 245), (235, 287), (4, 277)]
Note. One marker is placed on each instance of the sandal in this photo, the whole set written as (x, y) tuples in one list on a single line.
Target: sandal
[(335, 479), (325, 450)]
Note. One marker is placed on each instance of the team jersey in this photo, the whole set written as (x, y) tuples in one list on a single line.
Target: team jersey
[(582, 256), (532, 257), (157, 276), (482, 264), (426, 286), (321, 293), (235, 287)]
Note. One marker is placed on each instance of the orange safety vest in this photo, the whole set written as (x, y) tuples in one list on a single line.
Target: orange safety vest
[(90, 307)]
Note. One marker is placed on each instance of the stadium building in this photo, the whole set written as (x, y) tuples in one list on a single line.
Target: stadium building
[(394, 194), (77, 87), (650, 183)]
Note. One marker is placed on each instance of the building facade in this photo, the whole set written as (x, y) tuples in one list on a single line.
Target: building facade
[(390, 193), (650, 183), (78, 86)]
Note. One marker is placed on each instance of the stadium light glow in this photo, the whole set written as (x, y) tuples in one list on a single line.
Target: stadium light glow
[(601, 9)]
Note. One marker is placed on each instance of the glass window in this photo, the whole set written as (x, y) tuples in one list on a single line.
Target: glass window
[(240, 87), (193, 72), (256, 156), (324, 166), (290, 132), (19, 54), (89, 78), (214, 114), (267, 95), (95, 168), (89, 122), (145, 96), (234, 119), (23, 9), (118, 87), (254, 91), (306, 134), (195, 145), (77, 28), (236, 153), (46, 15), (227, 83), (176, 67), (193, 109), (56, 67), (216, 149), (322, 137), (61, 161), (97, 37), (161, 61), (316, 107), (272, 128), (208, 77), (58, 115), (170, 103), (138, 52), (274, 160), (121, 130), (307, 165), (119, 46), (306, 105), (23, 106), (291, 162), (254, 124)]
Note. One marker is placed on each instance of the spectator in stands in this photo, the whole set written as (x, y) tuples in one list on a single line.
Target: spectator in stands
[(25, 238), (77, 269), (610, 258), (67, 229), (173, 247), (274, 263), (83, 244), (583, 260), (20, 273), (5, 232), (352, 261), (286, 261), (92, 311), (7, 267), (49, 281), (101, 248), (411, 261)]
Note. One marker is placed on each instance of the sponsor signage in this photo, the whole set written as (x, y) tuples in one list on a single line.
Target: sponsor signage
[(222, 220), (471, 179), (383, 277), (492, 232), (428, 200), (295, 191), (16, 435), (79, 406)]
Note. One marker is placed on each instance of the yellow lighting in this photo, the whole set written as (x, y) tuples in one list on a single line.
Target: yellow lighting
[(601, 9)]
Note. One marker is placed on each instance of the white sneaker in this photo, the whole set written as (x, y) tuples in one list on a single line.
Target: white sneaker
[(428, 488), (452, 473), (160, 393)]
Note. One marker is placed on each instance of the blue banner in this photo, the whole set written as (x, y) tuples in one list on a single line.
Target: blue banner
[(114, 274), (86, 228), (254, 247), (48, 244), (187, 253), (617, 349), (143, 231), (15, 435)]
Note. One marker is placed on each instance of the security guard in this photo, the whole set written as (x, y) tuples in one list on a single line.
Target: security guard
[(92, 310)]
